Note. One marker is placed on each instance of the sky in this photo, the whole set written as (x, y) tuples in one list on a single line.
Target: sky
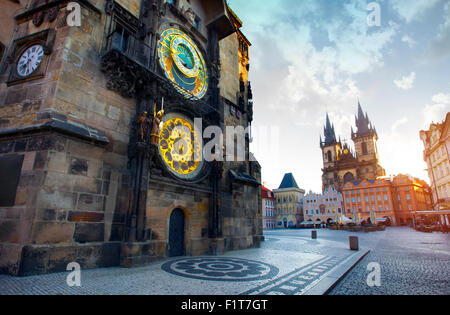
[(310, 57)]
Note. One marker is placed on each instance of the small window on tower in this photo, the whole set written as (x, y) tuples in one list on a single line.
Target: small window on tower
[(364, 148), (330, 159)]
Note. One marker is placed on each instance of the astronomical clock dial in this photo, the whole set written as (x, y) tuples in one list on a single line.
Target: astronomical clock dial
[(179, 145), (30, 60), (183, 64)]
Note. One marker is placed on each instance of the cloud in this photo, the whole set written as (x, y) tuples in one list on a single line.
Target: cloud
[(304, 60), (402, 141), (406, 82), (412, 10), (408, 40), (440, 45), (436, 111), (401, 150)]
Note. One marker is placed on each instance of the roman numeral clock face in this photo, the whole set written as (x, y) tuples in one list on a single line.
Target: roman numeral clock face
[(183, 64), (30, 60)]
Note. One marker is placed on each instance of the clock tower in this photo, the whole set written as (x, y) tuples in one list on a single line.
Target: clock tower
[(102, 131)]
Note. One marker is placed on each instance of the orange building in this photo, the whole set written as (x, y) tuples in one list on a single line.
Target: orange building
[(394, 198)]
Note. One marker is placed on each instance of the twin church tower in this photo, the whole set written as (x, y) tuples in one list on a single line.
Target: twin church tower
[(341, 163)]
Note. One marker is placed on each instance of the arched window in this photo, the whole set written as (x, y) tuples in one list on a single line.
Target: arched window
[(330, 158), (364, 148)]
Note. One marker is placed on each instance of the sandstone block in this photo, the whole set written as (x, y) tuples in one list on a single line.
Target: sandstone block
[(52, 233)]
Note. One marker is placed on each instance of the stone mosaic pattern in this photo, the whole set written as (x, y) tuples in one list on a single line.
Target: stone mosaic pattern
[(220, 269)]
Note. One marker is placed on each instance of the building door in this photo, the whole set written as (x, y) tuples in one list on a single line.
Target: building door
[(176, 234)]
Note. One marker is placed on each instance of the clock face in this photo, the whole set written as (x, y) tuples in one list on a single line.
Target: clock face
[(183, 64), (30, 60), (179, 146)]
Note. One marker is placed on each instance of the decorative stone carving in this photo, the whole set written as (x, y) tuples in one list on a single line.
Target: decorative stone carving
[(144, 123), (190, 16), (53, 13), (38, 17), (156, 127)]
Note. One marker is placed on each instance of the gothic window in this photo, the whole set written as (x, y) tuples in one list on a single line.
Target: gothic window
[(120, 38), (329, 157), (364, 148)]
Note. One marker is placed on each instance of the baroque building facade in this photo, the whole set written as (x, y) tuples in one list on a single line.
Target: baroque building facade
[(99, 140), (436, 141), (341, 164), (289, 203), (396, 198)]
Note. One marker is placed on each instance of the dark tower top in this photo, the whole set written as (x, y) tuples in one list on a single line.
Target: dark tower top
[(363, 124), (330, 134), (288, 182)]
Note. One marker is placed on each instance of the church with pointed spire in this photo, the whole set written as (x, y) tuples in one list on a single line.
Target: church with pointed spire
[(342, 163)]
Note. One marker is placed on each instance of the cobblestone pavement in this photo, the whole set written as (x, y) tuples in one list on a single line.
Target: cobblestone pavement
[(412, 263), (288, 263)]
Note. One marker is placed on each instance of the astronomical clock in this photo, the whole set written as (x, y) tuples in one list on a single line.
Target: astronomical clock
[(180, 147), (184, 66)]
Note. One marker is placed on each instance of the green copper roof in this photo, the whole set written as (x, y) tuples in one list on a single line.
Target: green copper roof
[(288, 182)]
